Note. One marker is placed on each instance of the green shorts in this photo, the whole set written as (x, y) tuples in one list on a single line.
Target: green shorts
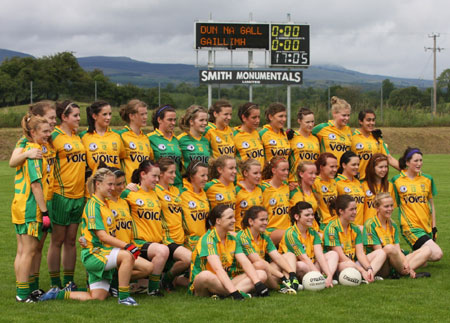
[(33, 229), (96, 269), (66, 211), (411, 235)]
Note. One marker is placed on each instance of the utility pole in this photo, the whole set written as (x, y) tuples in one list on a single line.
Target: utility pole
[(434, 49)]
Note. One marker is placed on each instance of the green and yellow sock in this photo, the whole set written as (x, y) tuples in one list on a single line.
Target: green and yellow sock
[(63, 295), (32, 282), (22, 289), (124, 292), (67, 277), (55, 279), (153, 282)]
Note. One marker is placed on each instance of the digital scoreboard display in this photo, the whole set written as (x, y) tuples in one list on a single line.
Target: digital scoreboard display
[(231, 35), (289, 45)]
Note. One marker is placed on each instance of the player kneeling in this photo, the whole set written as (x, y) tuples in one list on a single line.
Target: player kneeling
[(256, 245), (214, 266), (381, 232), (103, 252), (302, 247)]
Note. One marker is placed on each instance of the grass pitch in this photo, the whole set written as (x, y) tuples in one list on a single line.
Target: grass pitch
[(384, 301)]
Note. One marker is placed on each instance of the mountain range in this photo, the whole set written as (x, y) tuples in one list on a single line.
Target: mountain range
[(125, 70)]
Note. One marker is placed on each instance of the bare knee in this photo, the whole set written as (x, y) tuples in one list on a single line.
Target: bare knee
[(262, 275)]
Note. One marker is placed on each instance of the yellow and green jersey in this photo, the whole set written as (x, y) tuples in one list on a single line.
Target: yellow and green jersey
[(244, 201), (211, 244), (167, 147), (146, 214), (302, 149), (263, 246), (276, 202), (294, 242), (171, 214), (248, 145), (297, 195), (70, 164), (107, 149), (137, 149), (333, 140), (353, 188), (369, 208), (125, 227), (334, 236), (218, 194), (24, 208), (325, 191), (375, 235), (220, 141), (96, 216), (365, 147), (193, 148), (275, 144), (413, 197), (195, 208)]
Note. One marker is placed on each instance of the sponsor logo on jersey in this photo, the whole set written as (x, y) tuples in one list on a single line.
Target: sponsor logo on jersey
[(162, 147), (369, 193), (324, 189), (109, 220), (273, 142), (219, 197), (347, 189), (359, 145), (190, 147), (192, 204), (300, 145), (218, 139), (114, 212), (68, 147), (244, 204), (332, 136), (132, 145), (48, 168), (403, 189), (245, 145), (167, 198), (93, 146), (272, 201), (139, 202), (44, 150)]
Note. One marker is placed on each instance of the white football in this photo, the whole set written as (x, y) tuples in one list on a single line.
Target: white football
[(314, 281), (350, 277)]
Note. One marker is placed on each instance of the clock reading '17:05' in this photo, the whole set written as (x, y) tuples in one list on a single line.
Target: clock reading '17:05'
[(289, 45)]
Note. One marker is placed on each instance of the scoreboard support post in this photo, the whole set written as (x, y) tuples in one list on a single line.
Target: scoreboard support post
[(288, 106)]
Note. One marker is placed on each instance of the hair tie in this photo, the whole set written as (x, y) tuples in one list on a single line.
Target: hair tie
[(412, 152)]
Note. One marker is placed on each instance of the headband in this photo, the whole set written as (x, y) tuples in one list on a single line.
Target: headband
[(412, 152), (162, 109), (67, 107)]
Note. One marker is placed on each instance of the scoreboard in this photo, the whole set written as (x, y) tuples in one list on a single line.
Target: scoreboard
[(288, 43)]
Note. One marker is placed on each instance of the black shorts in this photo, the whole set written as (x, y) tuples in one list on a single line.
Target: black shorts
[(172, 248), (144, 251), (420, 242)]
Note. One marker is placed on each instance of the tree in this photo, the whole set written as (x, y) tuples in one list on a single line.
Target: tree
[(387, 87), (444, 82)]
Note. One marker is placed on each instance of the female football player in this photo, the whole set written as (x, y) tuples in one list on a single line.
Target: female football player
[(218, 131), (273, 136)]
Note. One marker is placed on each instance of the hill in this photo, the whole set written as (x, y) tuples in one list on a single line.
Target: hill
[(6, 53)]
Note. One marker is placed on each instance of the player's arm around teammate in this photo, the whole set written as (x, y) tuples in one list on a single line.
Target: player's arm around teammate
[(381, 232), (345, 238), (219, 252), (417, 211), (103, 252), (172, 223), (302, 245), (257, 245)]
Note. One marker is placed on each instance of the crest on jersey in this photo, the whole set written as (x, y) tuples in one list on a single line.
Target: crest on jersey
[(324, 189), (219, 197), (132, 145), (273, 142), (300, 145), (48, 168), (347, 189), (190, 147), (218, 139), (244, 204), (139, 202), (114, 212), (93, 146), (332, 136), (44, 149), (68, 147), (192, 204), (167, 198), (272, 201), (403, 189), (359, 145), (114, 145), (369, 193), (109, 220), (245, 145), (162, 147)]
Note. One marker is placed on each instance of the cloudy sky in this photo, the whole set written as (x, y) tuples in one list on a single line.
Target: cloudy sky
[(384, 37)]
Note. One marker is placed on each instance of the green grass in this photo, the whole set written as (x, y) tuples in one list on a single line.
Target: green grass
[(389, 300)]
